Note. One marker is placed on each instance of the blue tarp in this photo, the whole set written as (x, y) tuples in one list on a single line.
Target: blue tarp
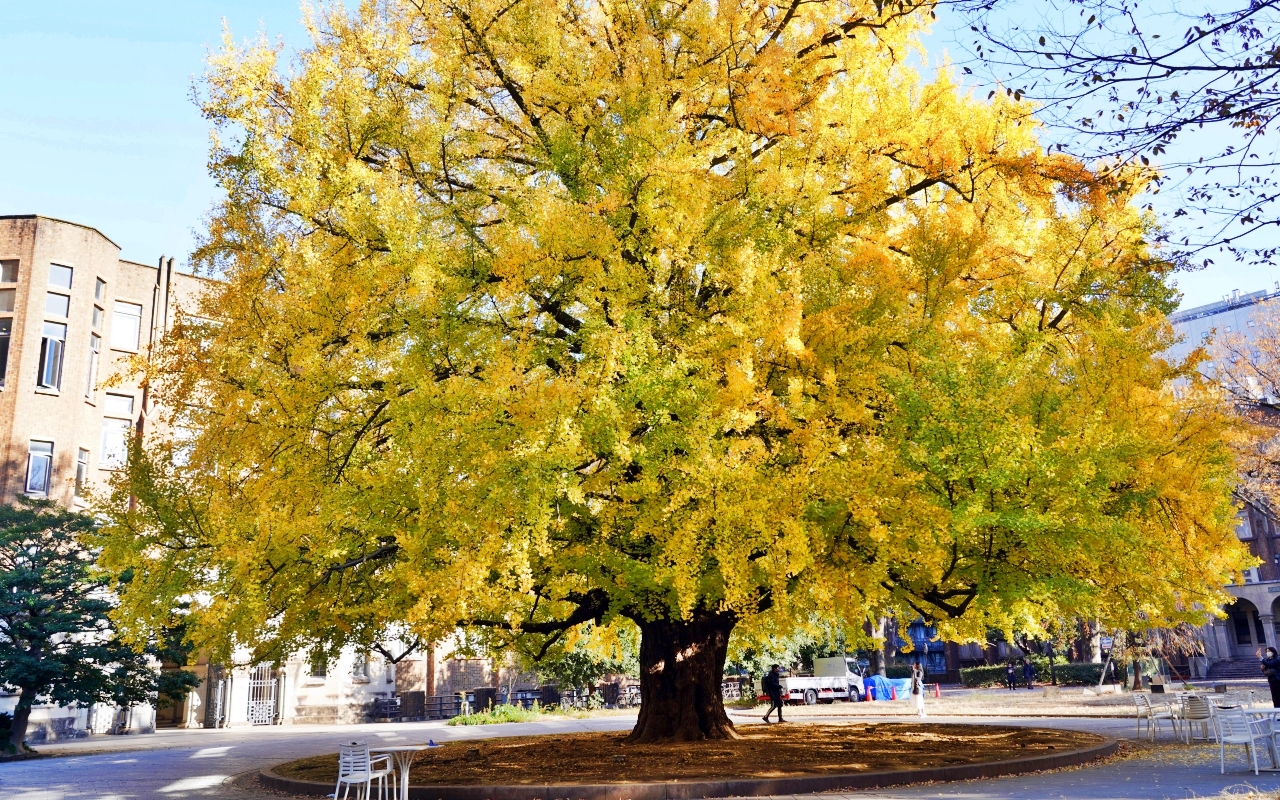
[(881, 687)]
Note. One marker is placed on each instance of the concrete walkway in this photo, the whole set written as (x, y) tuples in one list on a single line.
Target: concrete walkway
[(177, 764)]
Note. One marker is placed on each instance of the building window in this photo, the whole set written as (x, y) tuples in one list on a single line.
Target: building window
[(6, 329), (82, 472), (52, 348), (115, 443), (97, 318), (319, 666), (120, 405), (1241, 623), (184, 444), (95, 353), (1243, 529), (8, 271), (126, 324), (360, 668), (116, 427), (60, 276), (57, 305), (39, 467), (7, 298), (99, 289)]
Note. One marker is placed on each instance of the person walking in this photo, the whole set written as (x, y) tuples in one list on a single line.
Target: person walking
[(1270, 663), (917, 689), (1010, 676), (772, 685), (1028, 672)]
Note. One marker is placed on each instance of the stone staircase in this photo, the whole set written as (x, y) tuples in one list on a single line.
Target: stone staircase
[(1234, 670)]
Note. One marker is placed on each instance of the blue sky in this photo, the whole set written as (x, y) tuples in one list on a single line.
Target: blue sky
[(97, 124)]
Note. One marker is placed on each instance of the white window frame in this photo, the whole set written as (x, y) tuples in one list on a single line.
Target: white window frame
[(51, 347), (121, 318), (71, 276), (36, 453), (360, 668), (82, 471), (116, 430), (63, 299), (1244, 528), (95, 356)]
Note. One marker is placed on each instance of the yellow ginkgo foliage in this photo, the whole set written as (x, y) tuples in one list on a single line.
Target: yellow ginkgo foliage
[(710, 316)]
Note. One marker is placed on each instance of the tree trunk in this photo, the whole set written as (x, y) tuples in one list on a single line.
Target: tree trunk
[(681, 667), (875, 656), (18, 727)]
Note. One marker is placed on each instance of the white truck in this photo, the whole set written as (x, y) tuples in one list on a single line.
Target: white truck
[(835, 678)]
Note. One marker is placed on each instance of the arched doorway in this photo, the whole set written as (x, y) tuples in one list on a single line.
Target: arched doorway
[(1244, 627)]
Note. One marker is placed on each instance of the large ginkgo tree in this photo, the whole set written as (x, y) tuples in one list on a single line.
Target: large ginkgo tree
[(711, 316)]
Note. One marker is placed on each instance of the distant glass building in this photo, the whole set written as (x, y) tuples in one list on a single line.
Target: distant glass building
[(1229, 644), (1235, 313)]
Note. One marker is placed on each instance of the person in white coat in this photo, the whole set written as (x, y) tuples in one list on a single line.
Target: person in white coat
[(917, 689)]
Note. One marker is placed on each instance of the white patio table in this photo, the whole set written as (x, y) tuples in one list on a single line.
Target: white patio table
[(404, 755)]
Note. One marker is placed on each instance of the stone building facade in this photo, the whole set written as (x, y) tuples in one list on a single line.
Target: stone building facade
[(1229, 644), (73, 316)]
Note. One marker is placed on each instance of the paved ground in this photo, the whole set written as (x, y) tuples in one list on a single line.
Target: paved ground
[(173, 765), (176, 764)]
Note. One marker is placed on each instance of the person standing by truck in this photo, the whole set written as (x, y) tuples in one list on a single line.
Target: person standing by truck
[(772, 685)]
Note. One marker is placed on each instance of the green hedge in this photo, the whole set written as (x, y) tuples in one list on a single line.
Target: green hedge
[(897, 672), (1067, 674), (1086, 674), (982, 676)]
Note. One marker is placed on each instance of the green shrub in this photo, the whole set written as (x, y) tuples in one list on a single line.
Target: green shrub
[(1085, 674), (897, 671), (982, 676), (1067, 674), (496, 714)]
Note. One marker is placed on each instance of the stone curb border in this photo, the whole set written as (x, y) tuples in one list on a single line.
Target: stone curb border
[(677, 790)]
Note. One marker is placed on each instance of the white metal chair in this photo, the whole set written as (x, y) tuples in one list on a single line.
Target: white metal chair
[(1234, 727), (356, 767), (1153, 717), (1197, 711)]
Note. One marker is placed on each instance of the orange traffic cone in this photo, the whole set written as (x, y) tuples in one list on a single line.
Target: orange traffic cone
[(937, 690), (893, 692)]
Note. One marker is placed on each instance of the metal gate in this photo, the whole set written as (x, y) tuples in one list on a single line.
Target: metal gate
[(262, 696)]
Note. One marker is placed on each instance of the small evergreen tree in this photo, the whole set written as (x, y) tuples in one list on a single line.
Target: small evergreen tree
[(55, 637)]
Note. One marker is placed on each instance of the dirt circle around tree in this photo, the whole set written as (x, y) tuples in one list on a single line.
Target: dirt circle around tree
[(776, 752)]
